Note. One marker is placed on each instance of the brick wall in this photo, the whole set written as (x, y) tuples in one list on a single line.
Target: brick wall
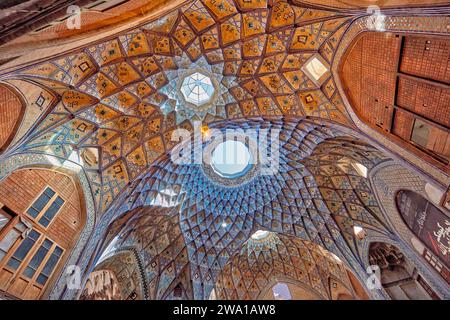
[(428, 100), (369, 74), (392, 80), (10, 111), (22, 187), (427, 57)]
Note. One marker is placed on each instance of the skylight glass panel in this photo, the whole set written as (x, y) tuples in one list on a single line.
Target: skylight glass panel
[(197, 89)]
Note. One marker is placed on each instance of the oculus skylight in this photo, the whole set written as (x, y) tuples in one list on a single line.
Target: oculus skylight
[(231, 159), (197, 89)]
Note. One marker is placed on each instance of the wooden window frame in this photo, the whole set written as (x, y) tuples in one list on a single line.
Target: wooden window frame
[(7, 228), (45, 208), (24, 263), (12, 217)]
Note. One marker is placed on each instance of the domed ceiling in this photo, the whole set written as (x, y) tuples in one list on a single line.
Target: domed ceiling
[(112, 107), (315, 195), (115, 103)]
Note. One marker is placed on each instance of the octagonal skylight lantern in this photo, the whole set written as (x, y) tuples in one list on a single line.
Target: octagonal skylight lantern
[(197, 89)]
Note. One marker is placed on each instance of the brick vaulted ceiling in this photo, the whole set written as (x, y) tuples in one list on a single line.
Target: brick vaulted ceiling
[(396, 82), (11, 110)]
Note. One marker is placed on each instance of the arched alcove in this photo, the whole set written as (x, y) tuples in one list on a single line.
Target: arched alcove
[(118, 277), (42, 213), (281, 267), (11, 112), (397, 274), (430, 225), (398, 85), (102, 285), (161, 260)]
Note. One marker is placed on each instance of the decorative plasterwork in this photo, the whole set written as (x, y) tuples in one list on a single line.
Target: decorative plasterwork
[(259, 246), (118, 97), (115, 96), (309, 197)]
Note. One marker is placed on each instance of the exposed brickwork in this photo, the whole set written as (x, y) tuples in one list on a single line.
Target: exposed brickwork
[(20, 189), (374, 68), (19, 27), (430, 101), (370, 71), (403, 124), (10, 111), (427, 57)]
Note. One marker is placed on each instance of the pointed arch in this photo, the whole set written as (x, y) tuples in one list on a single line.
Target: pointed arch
[(12, 110)]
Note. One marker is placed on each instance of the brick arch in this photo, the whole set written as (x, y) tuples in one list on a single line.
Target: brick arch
[(11, 112), (387, 179), (18, 191), (399, 85)]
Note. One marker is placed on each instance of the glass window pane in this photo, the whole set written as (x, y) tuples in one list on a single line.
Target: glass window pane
[(23, 249), (51, 211), (4, 219), (49, 192), (49, 266), (58, 251), (38, 257), (13, 263), (32, 212), (33, 234), (44, 222), (51, 263), (29, 272), (8, 241), (59, 201), (40, 203), (41, 279)]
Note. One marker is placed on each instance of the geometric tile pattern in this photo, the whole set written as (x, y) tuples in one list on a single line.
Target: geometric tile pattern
[(310, 197), (114, 108), (113, 102), (246, 275), (155, 235)]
